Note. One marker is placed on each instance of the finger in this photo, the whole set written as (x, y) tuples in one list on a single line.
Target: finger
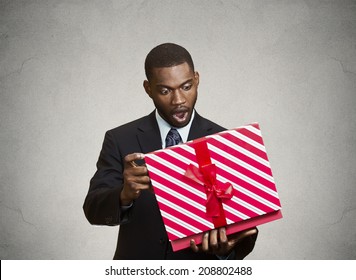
[(134, 175), (246, 233), (205, 242), (223, 238), (222, 235), (132, 190), (137, 176), (137, 191), (213, 240), (239, 236), (194, 246), (137, 171), (129, 160), (143, 180), (135, 186)]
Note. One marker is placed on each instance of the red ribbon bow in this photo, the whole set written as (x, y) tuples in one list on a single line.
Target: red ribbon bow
[(206, 176)]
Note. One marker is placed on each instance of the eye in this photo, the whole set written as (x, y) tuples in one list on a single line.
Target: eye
[(164, 91), (187, 87)]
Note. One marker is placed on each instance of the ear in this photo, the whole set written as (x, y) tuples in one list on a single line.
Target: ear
[(196, 77), (147, 87)]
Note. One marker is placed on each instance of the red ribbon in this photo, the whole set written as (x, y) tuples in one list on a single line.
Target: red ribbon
[(206, 175)]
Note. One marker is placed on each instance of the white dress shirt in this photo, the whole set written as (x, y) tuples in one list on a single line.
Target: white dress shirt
[(165, 127)]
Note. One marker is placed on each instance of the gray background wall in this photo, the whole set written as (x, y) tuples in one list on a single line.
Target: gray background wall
[(70, 70)]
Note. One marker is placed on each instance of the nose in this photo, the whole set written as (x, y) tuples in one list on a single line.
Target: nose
[(178, 97)]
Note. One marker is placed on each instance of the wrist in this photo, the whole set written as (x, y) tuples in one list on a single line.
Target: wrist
[(125, 201)]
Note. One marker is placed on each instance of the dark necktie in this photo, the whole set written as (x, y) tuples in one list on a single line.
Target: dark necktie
[(173, 138)]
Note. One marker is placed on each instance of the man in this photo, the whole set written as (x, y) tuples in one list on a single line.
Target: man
[(120, 192)]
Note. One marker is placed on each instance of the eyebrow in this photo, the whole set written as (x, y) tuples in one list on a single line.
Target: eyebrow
[(165, 86)]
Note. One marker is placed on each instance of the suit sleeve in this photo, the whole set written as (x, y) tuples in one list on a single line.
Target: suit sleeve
[(245, 247), (102, 203)]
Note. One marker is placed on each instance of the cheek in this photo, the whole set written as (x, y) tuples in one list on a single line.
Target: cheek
[(192, 97), (162, 101)]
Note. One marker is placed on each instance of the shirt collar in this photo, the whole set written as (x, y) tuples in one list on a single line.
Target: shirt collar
[(165, 127)]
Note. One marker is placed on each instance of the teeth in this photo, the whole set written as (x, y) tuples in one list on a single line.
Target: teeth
[(180, 115)]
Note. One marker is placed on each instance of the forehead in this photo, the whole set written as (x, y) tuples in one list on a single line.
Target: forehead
[(171, 76)]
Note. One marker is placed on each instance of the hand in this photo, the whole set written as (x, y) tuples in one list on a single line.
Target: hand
[(135, 179), (216, 241)]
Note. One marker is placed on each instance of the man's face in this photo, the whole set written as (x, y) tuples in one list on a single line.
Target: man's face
[(174, 91)]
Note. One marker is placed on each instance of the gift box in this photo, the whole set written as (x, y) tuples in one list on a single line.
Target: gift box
[(224, 179)]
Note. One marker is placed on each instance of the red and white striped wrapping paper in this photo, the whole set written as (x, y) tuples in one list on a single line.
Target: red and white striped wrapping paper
[(240, 158)]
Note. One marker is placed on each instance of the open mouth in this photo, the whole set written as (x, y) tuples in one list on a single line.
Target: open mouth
[(180, 116)]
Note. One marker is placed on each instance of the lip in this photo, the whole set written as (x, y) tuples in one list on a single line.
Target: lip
[(180, 115), (180, 111)]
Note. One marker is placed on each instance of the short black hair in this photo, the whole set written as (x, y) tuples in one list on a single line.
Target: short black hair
[(167, 55)]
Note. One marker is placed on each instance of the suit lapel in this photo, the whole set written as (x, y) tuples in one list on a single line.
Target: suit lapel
[(149, 137), (200, 127), (148, 134)]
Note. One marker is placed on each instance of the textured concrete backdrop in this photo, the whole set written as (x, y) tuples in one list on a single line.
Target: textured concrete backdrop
[(70, 70)]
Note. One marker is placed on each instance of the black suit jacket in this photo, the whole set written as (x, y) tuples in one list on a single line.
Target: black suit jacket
[(142, 234)]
